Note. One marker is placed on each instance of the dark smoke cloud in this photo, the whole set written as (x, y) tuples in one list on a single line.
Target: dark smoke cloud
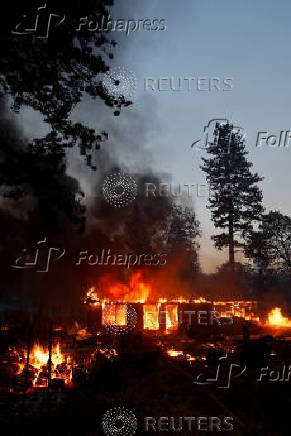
[(46, 207)]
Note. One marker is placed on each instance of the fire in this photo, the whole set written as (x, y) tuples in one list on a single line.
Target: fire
[(151, 316), (174, 353), (276, 319), (38, 359), (114, 314), (171, 317), (140, 290), (160, 313), (239, 308), (137, 291), (156, 316)]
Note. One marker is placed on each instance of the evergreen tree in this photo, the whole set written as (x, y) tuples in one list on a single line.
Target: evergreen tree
[(270, 246), (235, 200), (183, 233)]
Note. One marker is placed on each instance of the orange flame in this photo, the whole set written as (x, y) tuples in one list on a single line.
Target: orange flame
[(39, 357), (276, 319), (137, 291), (151, 316)]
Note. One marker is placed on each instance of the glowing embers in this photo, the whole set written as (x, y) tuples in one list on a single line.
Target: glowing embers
[(38, 364), (276, 319), (237, 308), (174, 353), (151, 317)]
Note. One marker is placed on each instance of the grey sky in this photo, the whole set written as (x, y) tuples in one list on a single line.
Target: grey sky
[(244, 39)]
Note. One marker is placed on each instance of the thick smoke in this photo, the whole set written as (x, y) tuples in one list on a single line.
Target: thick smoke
[(62, 201)]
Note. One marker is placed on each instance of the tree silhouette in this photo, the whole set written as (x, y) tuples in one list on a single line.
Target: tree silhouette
[(235, 200), (53, 74), (270, 246), (183, 233)]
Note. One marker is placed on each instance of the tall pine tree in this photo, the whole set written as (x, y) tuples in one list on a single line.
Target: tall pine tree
[(235, 200)]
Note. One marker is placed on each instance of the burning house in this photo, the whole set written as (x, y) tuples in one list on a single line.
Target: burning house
[(160, 314)]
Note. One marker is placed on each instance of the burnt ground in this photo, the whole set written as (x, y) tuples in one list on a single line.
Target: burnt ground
[(151, 384)]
